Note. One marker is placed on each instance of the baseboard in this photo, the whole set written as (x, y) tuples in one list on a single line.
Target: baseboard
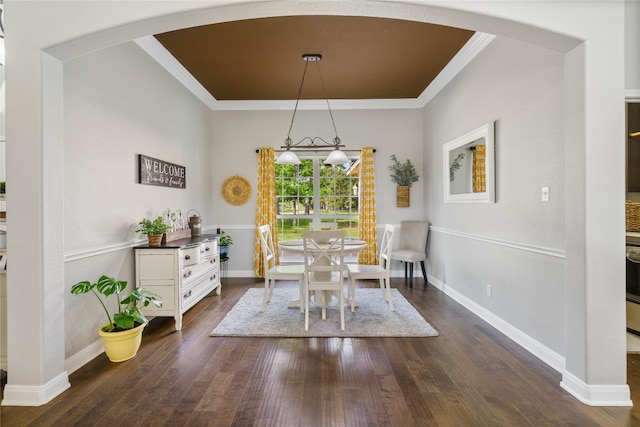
[(534, 347), (84, 356), (596, 395), (16, 395)]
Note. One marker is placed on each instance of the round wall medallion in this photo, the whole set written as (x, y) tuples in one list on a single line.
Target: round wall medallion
[(236, 190)]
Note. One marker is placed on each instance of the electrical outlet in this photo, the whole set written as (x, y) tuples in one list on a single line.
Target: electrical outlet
[(546, 194), (489, 290)]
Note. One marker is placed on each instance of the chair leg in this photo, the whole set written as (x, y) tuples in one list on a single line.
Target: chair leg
[(341, 302), (424, 273), (411, 275), (406, 265), (306, 308), (324, 305), (301, 282), (272, 284), (352, 293), (388, 291), (265, 297)]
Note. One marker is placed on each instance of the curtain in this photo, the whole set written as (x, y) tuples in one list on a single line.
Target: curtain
[(266, 204), (479, 171), (367, 212)]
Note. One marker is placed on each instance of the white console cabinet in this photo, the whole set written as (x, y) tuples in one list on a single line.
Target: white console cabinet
[(182, 272)]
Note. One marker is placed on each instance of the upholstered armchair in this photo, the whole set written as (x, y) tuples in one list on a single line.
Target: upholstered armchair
[(413, 247)]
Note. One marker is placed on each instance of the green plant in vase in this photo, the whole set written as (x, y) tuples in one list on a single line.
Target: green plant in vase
[(153, 229), (404, 175), (122, 334), (225, 242)]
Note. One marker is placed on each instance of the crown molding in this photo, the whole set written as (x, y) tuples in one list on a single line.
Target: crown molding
[(469, 51), (157, 51)]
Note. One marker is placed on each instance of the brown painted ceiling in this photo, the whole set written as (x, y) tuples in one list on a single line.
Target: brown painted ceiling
[(362, 57)]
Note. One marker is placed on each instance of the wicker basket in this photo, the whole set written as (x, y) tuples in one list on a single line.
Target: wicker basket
[(155, 239), (632, 211), (402, 196)]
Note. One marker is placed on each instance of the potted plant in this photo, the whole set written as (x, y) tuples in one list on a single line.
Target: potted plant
[(225, 242), (153, 229), (122, 334), (404, 175)]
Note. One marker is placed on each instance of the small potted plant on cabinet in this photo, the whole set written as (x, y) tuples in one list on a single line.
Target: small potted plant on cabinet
[(225, 242), (153, 229), (404, 175), (122, 334)]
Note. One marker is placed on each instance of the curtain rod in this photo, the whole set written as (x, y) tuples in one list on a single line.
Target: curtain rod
[(314, 150)]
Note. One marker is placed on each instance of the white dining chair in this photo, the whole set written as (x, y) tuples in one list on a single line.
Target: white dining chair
[(413, 247), (323, 267), (381, 272), (274, 271)]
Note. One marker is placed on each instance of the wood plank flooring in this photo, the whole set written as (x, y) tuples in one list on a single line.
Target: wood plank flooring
[(471, 375)]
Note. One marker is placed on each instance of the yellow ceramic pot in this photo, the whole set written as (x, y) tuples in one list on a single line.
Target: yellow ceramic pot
[(121, 346)]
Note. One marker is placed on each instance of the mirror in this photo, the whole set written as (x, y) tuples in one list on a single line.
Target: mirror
[(468, 167)]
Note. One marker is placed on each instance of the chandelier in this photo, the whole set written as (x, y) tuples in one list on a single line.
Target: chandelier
[(335, 157)]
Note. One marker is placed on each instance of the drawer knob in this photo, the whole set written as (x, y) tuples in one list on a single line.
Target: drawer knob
[(186, 295), (207, 249), (187, 274), (187, 257)]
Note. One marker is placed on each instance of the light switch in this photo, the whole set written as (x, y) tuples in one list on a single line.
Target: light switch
[(545, 194)]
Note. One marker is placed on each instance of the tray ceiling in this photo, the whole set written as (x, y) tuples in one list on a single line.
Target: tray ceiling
[(362, 57)]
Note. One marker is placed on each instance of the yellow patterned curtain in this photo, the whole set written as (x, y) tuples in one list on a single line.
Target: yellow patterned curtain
[(367, 213), (266, 203), (479, 170)]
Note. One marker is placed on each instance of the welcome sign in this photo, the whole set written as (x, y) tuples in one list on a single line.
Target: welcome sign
[(158, 172)]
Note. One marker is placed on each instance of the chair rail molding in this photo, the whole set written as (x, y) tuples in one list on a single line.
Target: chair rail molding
[(552, 252)]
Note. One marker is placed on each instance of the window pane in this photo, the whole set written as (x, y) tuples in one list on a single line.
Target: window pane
[(296, 192)]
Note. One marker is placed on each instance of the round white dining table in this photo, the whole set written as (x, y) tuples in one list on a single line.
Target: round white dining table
[(350, 245)]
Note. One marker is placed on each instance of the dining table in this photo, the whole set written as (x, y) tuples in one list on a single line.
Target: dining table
[(350, 246)]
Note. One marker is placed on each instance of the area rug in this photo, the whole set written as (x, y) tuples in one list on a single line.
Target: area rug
[(372, 317)]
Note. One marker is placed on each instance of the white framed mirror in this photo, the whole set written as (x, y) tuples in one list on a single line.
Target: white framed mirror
[(468, 167)]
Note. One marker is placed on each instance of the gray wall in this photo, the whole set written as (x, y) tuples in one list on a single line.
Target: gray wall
[(118, 103), (517, 244)]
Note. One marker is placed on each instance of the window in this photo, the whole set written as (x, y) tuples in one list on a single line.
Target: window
[(313, 191)]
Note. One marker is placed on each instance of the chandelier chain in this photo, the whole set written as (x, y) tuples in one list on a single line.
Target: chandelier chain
[(324, 91), (304, 73)]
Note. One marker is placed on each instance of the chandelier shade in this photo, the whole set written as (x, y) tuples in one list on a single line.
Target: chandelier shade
[(289, 157)]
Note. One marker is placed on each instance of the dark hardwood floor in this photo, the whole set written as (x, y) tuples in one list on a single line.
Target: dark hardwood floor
[(470, 375)]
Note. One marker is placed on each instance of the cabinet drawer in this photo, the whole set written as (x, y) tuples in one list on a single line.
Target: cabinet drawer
[(210, 248), (194, 271), (190, 256), (199, 289)]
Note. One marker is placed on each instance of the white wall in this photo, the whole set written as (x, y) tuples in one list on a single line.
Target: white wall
[(117, 104), (520, 87), (632, 47), (238, 134)]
